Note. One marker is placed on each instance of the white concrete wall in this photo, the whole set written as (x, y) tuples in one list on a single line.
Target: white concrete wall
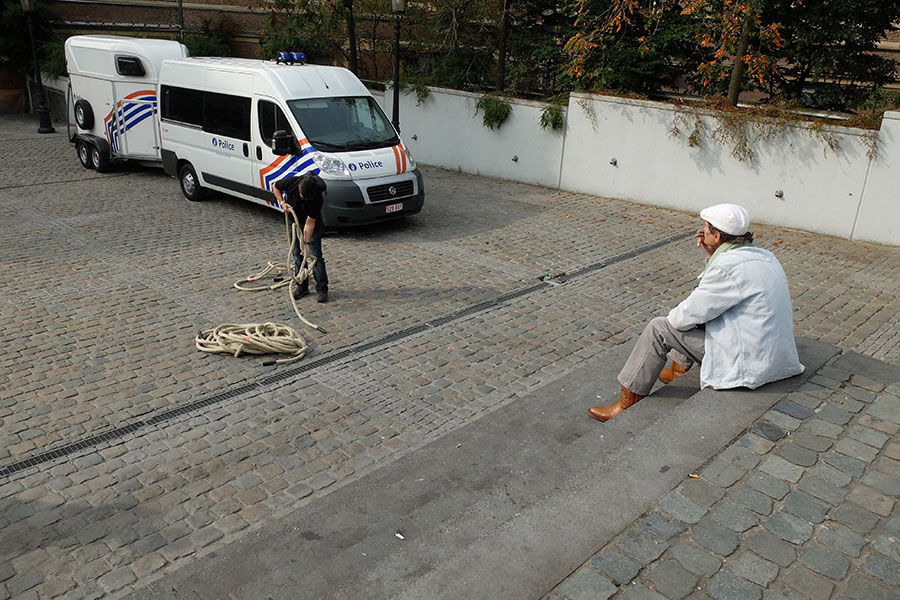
[(379, 98), (445, 131), (821, 187), (879, 213), (840, 192)]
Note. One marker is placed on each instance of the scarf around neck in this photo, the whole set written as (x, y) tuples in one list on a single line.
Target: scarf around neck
[(725, 247)]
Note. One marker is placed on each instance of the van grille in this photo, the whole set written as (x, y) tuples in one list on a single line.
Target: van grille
[(380, 193)]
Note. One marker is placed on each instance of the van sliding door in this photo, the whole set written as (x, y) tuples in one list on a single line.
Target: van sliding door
[(226, 121)]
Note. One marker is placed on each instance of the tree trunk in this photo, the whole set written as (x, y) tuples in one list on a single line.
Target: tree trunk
[(353, 52), (351, 37), (737, 70), (375, 25), (501, 50)]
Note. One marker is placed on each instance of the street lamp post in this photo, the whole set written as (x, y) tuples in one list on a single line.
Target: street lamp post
[(398, 7), (180, 20), (44, 125)]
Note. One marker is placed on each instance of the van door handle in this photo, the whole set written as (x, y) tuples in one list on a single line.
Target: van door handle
[(246, 150), (258, 153)]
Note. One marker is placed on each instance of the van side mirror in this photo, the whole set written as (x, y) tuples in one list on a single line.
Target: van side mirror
[(283, 142)]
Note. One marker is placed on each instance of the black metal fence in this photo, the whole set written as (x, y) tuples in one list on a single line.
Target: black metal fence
[(56, 102)]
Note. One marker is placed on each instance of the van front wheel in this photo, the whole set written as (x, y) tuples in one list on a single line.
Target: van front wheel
[(190, 185), (83, 150)]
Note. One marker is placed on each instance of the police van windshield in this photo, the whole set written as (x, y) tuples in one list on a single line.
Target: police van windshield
[(337, 124)]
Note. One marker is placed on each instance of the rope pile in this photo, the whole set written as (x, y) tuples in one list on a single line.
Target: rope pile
[(261, 338), (266, 338)]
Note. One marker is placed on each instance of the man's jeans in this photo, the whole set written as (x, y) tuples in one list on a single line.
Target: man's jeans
[(315, 249), (649, 354)]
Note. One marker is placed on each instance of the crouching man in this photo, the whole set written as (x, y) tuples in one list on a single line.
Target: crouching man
[(737, 323)]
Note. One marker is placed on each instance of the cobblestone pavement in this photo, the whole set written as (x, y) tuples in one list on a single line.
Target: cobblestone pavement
[(432, 322), (803, 505)]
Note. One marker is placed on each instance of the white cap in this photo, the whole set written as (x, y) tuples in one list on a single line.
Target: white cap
[(727, 218)]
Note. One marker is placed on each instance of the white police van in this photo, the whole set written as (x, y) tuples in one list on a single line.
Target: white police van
[(238, 125)]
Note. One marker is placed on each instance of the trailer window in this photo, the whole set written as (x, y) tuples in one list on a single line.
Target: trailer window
[(182, 104), (271, 119), (224, 114), (130, 66)]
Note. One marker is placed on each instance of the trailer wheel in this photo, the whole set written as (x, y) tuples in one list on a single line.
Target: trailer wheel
[(98, 160), (84, 115), (83, 149), (190, 185)]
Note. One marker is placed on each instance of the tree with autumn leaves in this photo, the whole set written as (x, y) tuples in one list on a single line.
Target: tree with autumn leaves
[(813, 52), (829, 44), (779, 47), (630, 45), (507, 45)]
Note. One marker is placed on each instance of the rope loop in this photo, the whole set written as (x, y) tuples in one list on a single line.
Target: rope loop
[(266, 338)]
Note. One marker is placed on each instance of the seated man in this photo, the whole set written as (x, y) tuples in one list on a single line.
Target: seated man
[(737, 323)]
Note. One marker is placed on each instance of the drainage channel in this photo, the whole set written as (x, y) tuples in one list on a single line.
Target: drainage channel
[(264, 382), (61, 181)]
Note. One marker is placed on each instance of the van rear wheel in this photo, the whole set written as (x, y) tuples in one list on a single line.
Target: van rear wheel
[(83, 150), (190, 185)]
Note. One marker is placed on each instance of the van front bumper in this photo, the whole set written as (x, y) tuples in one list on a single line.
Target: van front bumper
[(347, 203)]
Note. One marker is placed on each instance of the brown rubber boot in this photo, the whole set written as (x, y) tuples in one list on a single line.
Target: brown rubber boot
[(626, 399), (672, 372)]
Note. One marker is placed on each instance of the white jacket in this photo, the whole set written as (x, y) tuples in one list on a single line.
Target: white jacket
[(744, 302)]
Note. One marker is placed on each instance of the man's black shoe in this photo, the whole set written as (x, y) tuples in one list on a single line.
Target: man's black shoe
[(323, 297), (299, 292)]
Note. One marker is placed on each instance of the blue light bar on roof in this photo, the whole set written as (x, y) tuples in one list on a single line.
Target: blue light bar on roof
[(290, 58)]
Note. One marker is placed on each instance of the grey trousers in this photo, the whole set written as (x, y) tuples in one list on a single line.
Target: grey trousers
[(649, 354)]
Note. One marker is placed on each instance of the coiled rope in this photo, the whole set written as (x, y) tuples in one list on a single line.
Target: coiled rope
[(266, 338)]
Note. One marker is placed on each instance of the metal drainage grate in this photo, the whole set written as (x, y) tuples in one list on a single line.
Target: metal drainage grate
[(263, 382)]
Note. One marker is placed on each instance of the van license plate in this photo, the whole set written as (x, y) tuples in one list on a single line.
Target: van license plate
[(393, 207)]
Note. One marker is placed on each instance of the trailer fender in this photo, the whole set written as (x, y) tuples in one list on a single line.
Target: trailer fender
[(70, 108), (95, 140)]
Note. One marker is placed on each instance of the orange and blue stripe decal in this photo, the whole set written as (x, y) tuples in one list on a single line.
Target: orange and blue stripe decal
[(126, 115), (400, 157), (288, 166), (265, 170)]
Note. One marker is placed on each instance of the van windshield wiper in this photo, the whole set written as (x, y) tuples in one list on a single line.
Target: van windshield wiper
[(320, 145), (375, 144)]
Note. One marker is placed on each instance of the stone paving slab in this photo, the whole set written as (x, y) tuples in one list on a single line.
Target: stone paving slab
[(109, 276), (153, 281), (470, 532), (823, 534)]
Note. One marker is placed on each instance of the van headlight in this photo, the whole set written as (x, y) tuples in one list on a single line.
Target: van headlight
[(333, 166), (410, 163)]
